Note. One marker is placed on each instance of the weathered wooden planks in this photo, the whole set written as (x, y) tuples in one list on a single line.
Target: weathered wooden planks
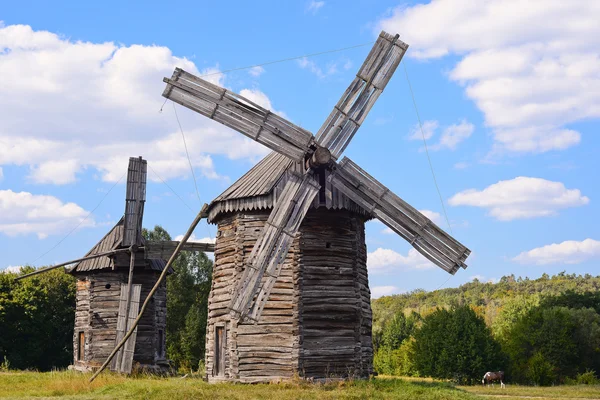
[(356, 102), (425, 236), (315, 323), (97, 308), (123, 361), (239, 113), (134, 202), (272, 246)]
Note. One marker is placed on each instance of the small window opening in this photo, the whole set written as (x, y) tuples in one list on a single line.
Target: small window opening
[(322, 195), (161, 343), (81, 346), (107, 286), (327, 245)]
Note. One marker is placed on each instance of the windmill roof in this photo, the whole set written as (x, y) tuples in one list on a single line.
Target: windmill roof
[(259, 187), (111, 241)]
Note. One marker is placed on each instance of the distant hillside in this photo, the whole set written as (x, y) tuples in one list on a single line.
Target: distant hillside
[(488, 299)]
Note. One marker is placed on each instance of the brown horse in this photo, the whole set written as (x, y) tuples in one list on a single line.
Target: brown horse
[(491, 377)]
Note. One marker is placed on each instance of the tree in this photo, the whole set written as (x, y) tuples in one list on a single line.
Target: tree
[(455, 344), (187, 304), (36, 319), (547, 332)]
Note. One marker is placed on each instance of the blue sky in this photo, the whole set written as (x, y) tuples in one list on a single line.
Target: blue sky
[(508, 95)]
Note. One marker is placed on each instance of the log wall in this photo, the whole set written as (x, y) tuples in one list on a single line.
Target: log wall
[(317, 320), (97, 308)]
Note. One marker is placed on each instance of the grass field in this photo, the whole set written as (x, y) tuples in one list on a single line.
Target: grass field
[(109, 386)]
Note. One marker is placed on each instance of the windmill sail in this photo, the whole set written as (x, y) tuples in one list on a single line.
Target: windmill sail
[(134, 202), (425, 236)]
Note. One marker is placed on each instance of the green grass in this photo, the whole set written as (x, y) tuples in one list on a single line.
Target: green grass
[(519, 392), (66, 384), (110, 386)]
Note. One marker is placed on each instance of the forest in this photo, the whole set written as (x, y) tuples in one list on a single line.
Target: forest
[(543, 331), (539, 331)]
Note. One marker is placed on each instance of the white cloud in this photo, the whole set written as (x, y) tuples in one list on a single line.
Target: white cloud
[(378, 291), (386, 260), (531, 67), (256, 71), (1, 174), (95, 105), (429, 128), (461, 165), (23, 213), (520, 198), (314, 6), (483, 279), (12, 269), (453, 135), (194, 239), (567, 252), (309, 65)]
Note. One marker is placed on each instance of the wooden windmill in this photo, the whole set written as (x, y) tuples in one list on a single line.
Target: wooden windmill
[(114, 277), (290, 289)]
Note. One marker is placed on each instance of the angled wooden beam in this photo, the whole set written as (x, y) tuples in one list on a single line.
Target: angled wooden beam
[(90, 257)]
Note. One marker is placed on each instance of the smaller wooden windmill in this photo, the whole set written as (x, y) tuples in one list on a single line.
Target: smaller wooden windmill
[(113, 279)]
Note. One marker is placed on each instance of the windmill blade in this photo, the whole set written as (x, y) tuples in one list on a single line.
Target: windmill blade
[(356, 102), (135, 198), (163, 249), (425, 236), (271, 248), (239, 113)]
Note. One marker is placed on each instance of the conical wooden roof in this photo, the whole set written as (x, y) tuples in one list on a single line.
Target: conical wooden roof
[(111, 241), (258, 189)]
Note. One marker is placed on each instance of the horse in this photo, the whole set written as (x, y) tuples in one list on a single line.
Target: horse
[(494, 377)]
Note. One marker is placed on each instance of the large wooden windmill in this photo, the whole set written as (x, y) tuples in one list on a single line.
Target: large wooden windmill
[(290, 290), (113, 279)]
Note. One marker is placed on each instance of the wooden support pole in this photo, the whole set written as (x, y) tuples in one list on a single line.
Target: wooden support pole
[(202, 214), (132, 249), (39, 271)]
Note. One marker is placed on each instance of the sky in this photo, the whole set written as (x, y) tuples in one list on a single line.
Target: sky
[(508, 94)]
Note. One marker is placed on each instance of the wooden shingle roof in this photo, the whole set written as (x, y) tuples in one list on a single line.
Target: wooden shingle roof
[(111, 241), (258, 189)]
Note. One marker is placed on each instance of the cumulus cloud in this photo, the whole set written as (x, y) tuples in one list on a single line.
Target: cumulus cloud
[(530, 67), (95, 105), (194, 239), (378, 291), (309, 65), (520, 198), (567, 252), (12, 269), (386, 260), (453, 135), (23, 213), (429, 128), (256, 71)]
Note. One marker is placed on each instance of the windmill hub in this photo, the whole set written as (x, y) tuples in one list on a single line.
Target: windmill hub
[(320, 158)]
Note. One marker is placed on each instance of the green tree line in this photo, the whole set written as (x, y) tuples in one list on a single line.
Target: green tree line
[(37, 314), (542, 331)]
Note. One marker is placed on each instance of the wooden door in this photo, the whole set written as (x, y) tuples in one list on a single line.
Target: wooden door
[(220, 345)]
